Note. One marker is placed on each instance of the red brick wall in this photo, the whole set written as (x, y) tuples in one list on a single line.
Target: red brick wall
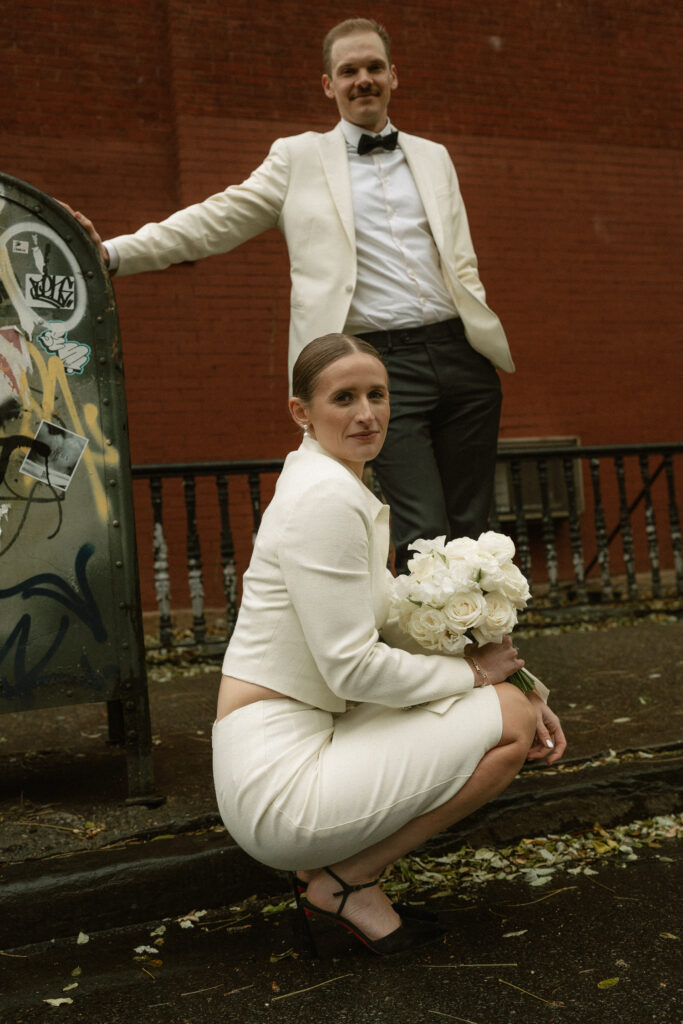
[(563, 119)]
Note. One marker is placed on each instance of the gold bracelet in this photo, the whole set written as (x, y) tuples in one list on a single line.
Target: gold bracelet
[(485, 681)]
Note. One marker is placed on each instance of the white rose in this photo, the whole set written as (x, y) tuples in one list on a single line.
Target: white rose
[(453, 643), (465, 610), (434, 591), (421, 567), (501, 619), (498, 545), (430, 556), (490, 573), (462, 549), (427, 626), (514, 585), (427, 546)]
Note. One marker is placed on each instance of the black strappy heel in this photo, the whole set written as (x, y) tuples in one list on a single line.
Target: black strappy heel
[(411, 933), (404, 910), (298, 888)]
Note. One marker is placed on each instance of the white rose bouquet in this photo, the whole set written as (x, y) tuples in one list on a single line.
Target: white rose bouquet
[(461, 591)]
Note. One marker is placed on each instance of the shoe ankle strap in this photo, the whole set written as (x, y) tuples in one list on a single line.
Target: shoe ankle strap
[(347, 889)]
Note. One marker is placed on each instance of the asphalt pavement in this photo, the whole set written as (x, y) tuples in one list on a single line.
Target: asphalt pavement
[(75, 857), (586, 949)]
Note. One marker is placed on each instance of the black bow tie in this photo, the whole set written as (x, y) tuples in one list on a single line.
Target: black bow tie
[(367, 143)]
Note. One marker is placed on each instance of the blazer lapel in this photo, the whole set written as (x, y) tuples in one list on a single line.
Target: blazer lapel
[(332, 148), (421, 171)]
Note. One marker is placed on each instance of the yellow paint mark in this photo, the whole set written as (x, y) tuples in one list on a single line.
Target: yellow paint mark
[(54, 381)]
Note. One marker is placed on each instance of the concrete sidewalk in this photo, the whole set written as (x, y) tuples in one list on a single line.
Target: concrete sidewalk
[(74, 856)]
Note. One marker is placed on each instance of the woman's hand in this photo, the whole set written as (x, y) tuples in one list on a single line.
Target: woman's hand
[(497, 661), (549, 741), (88, 226)]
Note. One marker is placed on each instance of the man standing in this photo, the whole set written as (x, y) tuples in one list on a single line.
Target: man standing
[(379, 247)]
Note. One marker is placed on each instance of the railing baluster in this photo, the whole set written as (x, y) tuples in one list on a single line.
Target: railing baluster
[(523, 549), (548, 532), (162, 579), (494, 519), (626, 532), (650, 527), (254, 479), (574, 530), (601, 533), (675, 523), (227, 555), (194, 562)]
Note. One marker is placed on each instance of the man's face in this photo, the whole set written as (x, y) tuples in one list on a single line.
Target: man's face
[(361, 81)]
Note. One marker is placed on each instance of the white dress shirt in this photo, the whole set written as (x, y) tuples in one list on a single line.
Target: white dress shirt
[(399, 281)]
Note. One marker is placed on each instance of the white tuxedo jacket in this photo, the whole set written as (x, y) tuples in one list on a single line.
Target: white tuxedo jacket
[(304, 189)]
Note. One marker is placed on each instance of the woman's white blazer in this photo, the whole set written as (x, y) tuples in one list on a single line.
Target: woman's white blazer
[(314, 619)]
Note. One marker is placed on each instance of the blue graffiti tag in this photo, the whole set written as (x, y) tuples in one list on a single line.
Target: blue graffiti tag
[(81, 604)]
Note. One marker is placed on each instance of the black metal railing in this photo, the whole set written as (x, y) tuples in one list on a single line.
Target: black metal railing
[(252, 471), (564, 505)]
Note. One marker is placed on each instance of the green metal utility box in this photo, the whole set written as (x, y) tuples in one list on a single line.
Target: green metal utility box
[(70, 619)]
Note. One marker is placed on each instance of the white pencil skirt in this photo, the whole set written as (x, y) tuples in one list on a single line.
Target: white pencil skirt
[(299, 788)]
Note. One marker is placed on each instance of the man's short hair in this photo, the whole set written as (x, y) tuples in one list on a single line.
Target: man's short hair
[(347, 28)]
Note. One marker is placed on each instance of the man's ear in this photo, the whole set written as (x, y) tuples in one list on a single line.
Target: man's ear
[(327, 87)]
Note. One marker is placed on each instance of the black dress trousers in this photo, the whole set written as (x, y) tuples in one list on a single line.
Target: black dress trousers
[(436, 468)]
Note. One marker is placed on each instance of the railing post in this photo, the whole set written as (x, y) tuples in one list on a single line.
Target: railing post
[(626, 532), (650, 527), (675, 523), (227, 555), (523, 549), (548, 533), (255, 495), (194, 562), (601, 532), (574, 531), (162, 580)]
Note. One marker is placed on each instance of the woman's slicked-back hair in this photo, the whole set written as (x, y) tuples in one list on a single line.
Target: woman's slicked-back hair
[(318, 354)]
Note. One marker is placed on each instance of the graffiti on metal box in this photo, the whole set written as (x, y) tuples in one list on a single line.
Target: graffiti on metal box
[(50, 436), (79, 602)]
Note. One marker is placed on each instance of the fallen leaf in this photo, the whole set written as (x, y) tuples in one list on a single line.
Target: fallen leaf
[(512, 935), (58, 1002), (82, 939), (668, 935), (618, 721), (607, 982)]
